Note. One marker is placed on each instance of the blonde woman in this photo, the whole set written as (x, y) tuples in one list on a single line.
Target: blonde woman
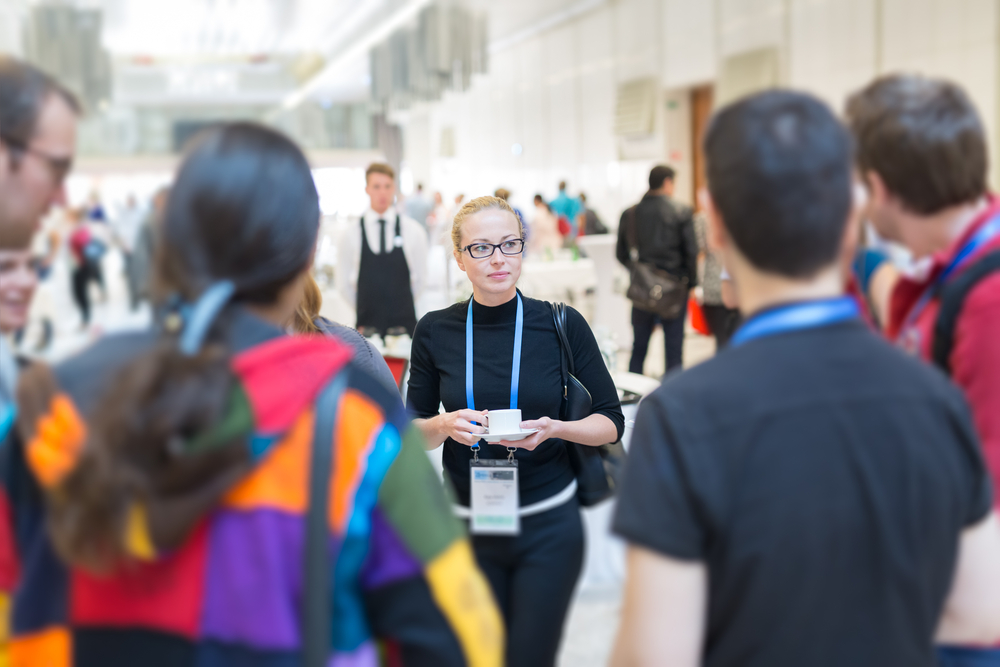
[(307, 320), (533, 572)]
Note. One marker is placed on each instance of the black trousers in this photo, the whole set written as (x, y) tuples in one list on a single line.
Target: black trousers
[(81, 277), (722, 321), (643, 323), (533, 576)]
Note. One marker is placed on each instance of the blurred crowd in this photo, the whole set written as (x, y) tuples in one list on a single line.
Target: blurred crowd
[(240, 480)]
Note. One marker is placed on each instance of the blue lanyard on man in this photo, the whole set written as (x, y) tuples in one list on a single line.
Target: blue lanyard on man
[(797, 317), (979, 239), (515, 374)]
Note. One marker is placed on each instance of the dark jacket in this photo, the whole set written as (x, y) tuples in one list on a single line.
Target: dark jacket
[(365, 354), (664, 236)]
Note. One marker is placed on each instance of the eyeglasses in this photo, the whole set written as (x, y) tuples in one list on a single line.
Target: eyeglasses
[(484, 250), (59, 167)]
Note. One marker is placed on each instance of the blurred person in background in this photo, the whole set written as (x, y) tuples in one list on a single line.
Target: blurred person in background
[(87, 247), (439, 221), (722, 319), (18, 280), (94, 209), (418, 206), (811, 495), (922, 154), (163, 500), (592, 223), (543, 237), (532, 572), (307, 320), (126, 228), (567, 211), (382, 260), (504, 194), (37, 142), (144, 251), (664, 237)]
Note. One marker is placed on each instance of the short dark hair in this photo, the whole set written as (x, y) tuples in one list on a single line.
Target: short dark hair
[(779, 172), (24, 89), (562, 185), (659, 174), (923, 137)]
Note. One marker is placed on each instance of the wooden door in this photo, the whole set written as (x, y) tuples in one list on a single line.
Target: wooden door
[(701, 111)]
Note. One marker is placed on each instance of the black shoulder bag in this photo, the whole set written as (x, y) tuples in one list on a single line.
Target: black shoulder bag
[(953, 295), (596, 468), (317, 594), (651, 288)]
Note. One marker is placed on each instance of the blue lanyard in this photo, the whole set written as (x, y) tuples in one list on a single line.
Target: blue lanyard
[(515, 373), (796, 317), (983, 236), (8, 414)]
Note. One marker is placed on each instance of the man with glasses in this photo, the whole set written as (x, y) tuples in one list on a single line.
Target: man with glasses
[(37, 141)]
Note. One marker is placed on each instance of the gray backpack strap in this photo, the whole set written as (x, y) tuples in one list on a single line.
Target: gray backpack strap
[(317, 586)]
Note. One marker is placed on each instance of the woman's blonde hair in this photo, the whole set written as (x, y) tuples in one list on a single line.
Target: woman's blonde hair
[(309, 307), (476, 205)]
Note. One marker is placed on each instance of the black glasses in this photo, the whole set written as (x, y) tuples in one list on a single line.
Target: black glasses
[(484, 250), (59, 167)]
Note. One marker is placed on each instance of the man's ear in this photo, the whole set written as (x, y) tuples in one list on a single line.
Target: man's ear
[(716, 234), (878, 192)]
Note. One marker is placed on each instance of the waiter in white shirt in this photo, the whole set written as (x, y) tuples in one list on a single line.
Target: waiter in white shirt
[(382, 261)]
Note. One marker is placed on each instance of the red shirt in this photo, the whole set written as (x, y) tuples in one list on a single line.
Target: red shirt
[(975, 356)]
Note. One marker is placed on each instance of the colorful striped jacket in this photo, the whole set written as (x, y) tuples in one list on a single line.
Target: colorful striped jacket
[(406, 589)]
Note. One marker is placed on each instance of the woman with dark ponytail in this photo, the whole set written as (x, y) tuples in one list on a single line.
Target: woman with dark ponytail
[(156, 508)]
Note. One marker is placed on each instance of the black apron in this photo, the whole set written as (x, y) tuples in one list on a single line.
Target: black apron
[(385, 298)]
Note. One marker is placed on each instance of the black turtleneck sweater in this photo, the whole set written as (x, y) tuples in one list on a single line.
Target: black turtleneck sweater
[(437, 375)]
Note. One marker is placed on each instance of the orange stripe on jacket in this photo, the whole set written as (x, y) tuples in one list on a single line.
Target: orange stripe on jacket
[(48, 648), (358, 424), (281, 480), (54, 451)]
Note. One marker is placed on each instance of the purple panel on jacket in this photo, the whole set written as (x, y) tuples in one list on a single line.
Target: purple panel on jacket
[(254, 579), (388, 558)]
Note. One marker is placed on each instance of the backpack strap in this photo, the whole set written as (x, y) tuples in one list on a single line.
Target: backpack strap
[(317, 594), (953, 295)]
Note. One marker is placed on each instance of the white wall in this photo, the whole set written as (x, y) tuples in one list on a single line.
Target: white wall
[(554, 94)]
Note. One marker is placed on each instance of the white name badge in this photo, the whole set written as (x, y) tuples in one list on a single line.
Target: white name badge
[(494, 499)]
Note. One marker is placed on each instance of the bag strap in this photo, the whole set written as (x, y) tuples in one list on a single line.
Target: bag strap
[(318, 586), (560, 337), (953, 295), (633, 243), (559, 315)]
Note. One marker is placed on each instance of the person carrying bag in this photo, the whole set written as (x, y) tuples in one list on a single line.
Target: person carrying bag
[(496, 363), (657, 244)]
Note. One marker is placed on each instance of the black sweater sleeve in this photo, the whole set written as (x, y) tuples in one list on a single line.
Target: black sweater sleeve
[(423, 395), (592, 371), (689, 249), (622, 249)]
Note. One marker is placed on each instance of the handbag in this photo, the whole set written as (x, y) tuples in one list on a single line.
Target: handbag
[(698, 320), (596, 468), (317, 595), (651, 288)]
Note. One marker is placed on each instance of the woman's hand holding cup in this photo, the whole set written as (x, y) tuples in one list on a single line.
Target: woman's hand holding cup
[(459, 426)]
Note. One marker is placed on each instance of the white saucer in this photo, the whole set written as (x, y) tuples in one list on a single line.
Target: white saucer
[(517, 435)]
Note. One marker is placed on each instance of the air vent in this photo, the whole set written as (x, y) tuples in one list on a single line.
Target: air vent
[(636, 108)]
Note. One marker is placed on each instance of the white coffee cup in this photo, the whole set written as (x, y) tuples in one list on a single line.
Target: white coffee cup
[(504, 422)]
